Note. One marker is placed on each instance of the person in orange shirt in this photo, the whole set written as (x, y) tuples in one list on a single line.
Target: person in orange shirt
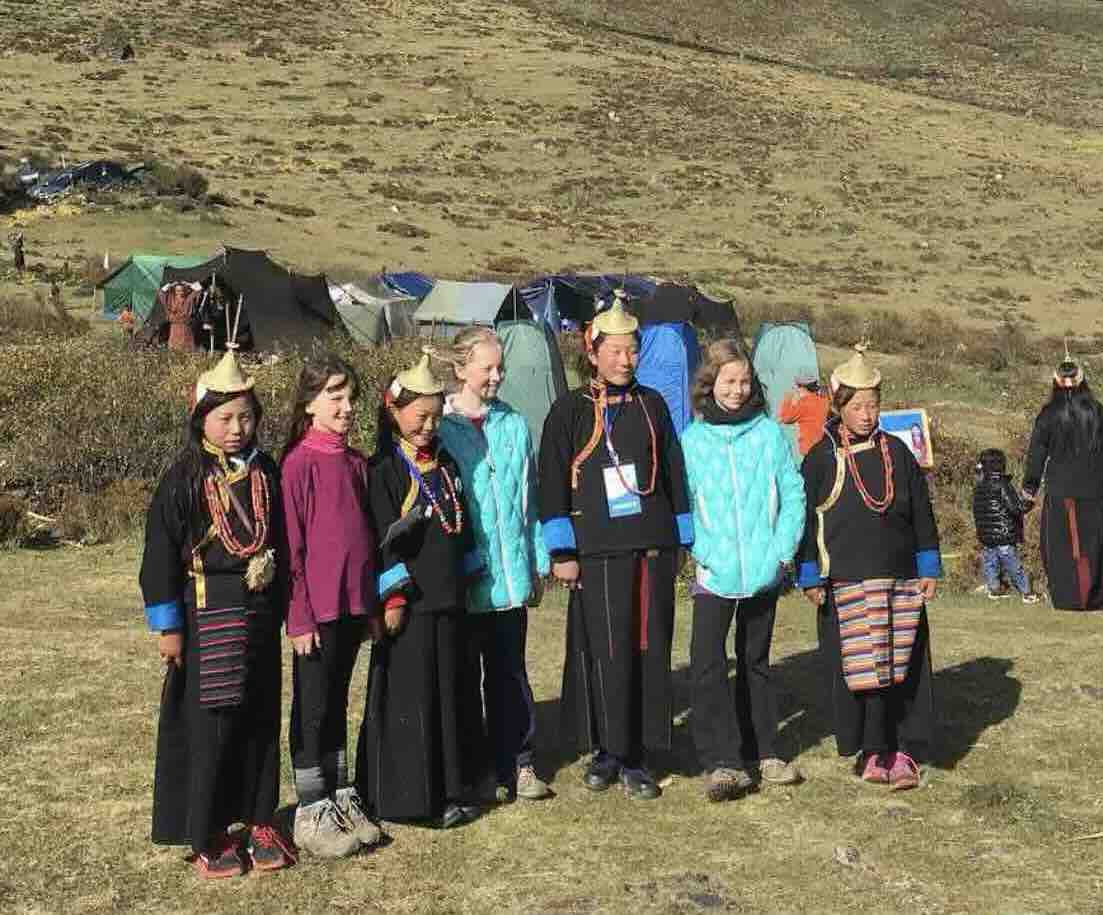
[(808, 407)]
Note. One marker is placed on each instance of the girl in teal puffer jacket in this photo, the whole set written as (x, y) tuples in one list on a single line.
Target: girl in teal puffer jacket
[(748, 516), (492, 446)]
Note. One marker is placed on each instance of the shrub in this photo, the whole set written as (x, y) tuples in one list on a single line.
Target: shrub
[(24, 320), (130, 409), (175, 180), (100, 517), (14, 525)]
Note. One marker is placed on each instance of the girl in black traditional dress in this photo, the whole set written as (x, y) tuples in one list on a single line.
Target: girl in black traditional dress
[(414, 760), (870, 562), (1066, 449), (214, 589)]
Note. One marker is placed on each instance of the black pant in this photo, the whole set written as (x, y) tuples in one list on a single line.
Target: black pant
[(727, 733), (319, 709), (496, 641)]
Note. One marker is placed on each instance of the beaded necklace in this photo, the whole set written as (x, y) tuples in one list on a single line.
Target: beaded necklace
[(415, 467), (217, 492), (878, 505)]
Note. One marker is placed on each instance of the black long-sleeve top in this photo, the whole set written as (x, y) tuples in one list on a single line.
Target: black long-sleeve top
[(997, 511), (577, 521), (172, 578), (1068, 474), (848, 541), (426, 564)]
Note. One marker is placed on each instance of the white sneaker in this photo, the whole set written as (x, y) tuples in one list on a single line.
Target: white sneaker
[(351, 806), (529, 785), (323, 830)]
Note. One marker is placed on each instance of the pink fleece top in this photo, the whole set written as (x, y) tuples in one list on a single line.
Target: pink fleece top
[(329, 534)]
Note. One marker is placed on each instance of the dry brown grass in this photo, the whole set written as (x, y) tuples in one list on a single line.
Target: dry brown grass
[(992, 831)]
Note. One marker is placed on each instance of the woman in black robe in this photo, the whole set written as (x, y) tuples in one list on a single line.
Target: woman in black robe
[(418, 751), (869, 563), (214, 586), (1066, 450)]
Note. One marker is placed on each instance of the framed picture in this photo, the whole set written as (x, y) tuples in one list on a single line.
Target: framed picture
[(914, 430)]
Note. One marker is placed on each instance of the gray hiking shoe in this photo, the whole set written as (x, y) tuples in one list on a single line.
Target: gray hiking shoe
[(776, 771), (529, 785), (349, 803), (322, 830), (727, 784)]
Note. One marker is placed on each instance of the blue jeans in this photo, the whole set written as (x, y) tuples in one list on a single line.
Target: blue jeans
[(994, 558)]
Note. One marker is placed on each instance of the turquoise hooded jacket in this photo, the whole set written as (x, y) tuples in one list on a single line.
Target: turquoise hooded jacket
[(499, 479), (748, 504)]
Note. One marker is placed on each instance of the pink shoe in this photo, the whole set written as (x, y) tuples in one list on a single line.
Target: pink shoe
[(904, 773), (872, 768)]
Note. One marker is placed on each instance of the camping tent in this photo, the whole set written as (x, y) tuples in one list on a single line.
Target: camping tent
[(134, 283), (669, 355), (373, 312), (280, 308), (534, 377), (675, 303), (782, 353), (566, 301), (451, 306)]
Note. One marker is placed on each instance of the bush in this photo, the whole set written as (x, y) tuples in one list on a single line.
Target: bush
[(14, 525), (25, 320), (175, 180), (130, 408)]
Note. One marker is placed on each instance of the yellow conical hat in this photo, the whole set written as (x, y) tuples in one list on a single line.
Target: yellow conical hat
[(418, 379), (856, 372), (615, 320), (224, 378)]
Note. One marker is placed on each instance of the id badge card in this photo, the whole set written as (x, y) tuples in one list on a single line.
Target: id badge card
[(622, 502)]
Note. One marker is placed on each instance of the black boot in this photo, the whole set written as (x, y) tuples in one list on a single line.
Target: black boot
[(602, 772), (639, 784)]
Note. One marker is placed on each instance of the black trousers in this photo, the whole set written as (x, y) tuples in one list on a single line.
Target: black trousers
[(617, 693), (319, 709), (728, 731), (899, 717), (496, 642)]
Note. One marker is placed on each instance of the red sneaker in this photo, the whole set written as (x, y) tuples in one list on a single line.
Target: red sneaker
[(872, 768), (220, 860), (904, 773), (268, 850)]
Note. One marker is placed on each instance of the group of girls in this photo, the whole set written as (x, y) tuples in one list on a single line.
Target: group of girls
[(430, 549)]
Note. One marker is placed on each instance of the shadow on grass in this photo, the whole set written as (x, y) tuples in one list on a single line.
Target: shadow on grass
[(970, 697)]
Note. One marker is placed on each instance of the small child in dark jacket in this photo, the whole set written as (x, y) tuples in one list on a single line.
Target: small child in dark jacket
[(998, 513)]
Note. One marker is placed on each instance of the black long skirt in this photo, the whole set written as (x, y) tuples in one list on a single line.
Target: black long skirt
[(217, 767), (415, 752), (898, 717), (617, 693), (1072, 552)]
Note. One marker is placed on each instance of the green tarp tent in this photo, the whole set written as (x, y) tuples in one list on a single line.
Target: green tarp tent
[(134, 283), (782, 353), (534, 377)]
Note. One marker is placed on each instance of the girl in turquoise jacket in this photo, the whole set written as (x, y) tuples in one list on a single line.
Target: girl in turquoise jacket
[(748, 507), (492, 446)]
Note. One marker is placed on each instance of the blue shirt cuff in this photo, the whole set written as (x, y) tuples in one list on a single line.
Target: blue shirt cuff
[(559, 535), (393, 579), (928, 563), (808, 576), (685, 529), (164, 616), (472, 563)]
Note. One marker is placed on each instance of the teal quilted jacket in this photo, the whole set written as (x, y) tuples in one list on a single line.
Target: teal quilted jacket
[(748, 504), (499, 480)]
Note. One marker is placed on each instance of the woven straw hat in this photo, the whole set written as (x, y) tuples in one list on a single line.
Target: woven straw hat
[(418, 379), (856, 372), (224, 378), (615, 320)]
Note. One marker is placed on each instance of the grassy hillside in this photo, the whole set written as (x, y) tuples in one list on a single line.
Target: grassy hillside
[(476, 139)]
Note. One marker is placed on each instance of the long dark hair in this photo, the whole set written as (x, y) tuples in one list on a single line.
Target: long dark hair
[(385, 429), (196, 463), (317, 370), (1077, 419)]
